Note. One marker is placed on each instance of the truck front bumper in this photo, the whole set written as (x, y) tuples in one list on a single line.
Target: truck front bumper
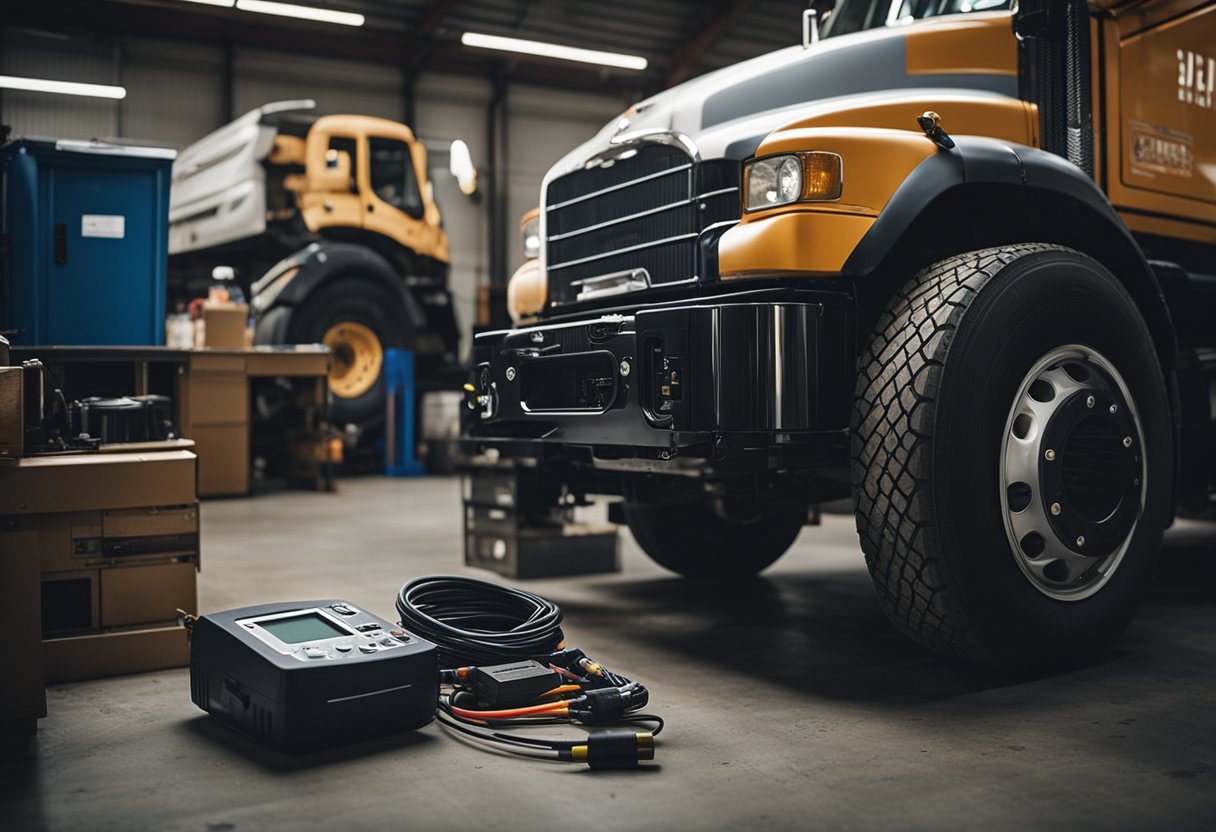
[(769, 372)]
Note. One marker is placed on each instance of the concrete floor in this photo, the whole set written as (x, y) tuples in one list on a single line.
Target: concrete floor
[(790, 703)]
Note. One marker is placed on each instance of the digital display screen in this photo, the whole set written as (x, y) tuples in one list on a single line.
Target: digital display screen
[(310, 626)]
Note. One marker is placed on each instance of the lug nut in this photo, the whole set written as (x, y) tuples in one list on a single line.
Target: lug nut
[(1127, 441), (1050, 455), (1081, 540), (625, 368), (1055, 509), (1089, 402), (510, 374), (1114, 408)]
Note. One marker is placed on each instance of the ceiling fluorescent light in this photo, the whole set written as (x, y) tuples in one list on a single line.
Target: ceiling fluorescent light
[(10, 82), (226, 3), (303, 12), (552, 50)]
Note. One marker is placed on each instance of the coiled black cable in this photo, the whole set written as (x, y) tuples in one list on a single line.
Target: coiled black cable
[(475, 622)]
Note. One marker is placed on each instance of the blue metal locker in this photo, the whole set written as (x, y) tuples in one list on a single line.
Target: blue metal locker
[(85, 228)]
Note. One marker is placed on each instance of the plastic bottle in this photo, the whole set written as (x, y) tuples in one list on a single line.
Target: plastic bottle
[(225, 289), (181, 330)]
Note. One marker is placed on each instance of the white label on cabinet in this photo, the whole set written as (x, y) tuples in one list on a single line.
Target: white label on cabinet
[(103, 225)]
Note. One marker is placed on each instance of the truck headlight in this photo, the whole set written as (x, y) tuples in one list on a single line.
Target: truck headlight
[(530, 235), (792, 177), (776, 180), (527, 291)]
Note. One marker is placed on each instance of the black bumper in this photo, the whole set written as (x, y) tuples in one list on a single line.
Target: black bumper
[(700, 380)]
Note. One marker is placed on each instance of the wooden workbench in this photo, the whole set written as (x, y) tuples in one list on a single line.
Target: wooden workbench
[(212, 400)]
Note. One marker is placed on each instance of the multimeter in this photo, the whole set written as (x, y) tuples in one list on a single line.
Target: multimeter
[(311, 674)]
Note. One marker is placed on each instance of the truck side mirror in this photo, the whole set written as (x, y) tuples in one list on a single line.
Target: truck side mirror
[(335, 176), (813, 18), (810, 28), (460, 163)]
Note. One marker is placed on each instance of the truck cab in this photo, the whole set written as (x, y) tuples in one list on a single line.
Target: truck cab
[(332, 225), (950, 259), (365, 180)]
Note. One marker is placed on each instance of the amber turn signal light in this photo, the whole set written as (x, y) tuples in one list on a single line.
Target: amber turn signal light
[(822, 175)]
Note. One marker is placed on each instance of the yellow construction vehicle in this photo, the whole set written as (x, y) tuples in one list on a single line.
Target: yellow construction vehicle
[(954, 259), (332, 224)]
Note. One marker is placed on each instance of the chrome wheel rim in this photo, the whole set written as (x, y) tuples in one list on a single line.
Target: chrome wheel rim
[(1072, 472)]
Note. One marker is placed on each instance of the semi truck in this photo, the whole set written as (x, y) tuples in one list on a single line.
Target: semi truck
[(954, 259), (332, 227)]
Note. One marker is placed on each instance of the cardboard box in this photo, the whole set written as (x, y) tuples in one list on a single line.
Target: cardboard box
[(69, 541), (225, 325), (12, 405), (133, 650), (215, 414), (56, 536), (83, 482), (77, 607), (218, 397), (23, 694), (147, 594), (114, 541), (217, 362), (223, 465), (214, 406), (152, 520), (298, 361)]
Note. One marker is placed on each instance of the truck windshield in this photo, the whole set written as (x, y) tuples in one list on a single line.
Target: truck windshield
[(392, 175), (856, 15)]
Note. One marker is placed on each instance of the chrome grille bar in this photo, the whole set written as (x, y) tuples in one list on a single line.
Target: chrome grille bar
[(641, 214), (558, 206), (625, 250), (585, 229)]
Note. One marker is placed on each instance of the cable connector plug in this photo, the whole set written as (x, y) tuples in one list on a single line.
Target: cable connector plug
[(615, 748), (455, 675), (599, 706)]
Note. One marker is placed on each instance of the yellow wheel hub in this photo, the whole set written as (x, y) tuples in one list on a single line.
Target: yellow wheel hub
[(358, 358)]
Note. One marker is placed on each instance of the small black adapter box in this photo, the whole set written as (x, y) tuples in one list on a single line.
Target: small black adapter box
[(514, 684)]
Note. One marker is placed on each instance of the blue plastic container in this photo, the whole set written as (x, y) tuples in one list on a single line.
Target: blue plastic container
[(87, 229)]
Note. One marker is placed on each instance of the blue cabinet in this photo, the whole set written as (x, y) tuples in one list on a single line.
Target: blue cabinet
[(85, 228)]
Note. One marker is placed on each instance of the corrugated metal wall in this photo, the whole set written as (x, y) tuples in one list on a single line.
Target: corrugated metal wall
[(452, 107), (336, 86), (38, 55), (175, 95)]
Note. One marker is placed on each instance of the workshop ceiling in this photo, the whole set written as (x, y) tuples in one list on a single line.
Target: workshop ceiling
[(679, 39)]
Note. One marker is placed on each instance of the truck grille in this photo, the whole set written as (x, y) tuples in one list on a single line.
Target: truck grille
[(640, 212)]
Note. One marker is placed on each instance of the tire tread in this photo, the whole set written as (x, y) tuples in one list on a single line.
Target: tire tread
[(899, 376)]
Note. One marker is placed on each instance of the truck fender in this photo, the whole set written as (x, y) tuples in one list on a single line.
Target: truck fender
[(1030, 195), (289, 283)]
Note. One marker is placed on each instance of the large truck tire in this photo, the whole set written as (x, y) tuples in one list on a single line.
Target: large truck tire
[(358, 319), (1012, 456), (691, 539)]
